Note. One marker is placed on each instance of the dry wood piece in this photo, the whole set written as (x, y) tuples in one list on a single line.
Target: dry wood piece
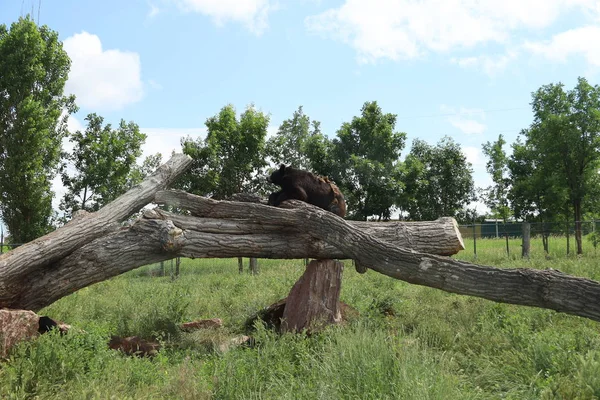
[(91, 248), (39, 256), (314, 301)]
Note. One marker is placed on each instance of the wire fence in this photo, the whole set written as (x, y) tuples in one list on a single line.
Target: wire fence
[(553, 238)]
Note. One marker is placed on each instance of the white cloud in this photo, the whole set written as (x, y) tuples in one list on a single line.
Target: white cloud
[(490, 64), (467, 120), (579, 41), (167, 140), (407, 29), (154, 84), (102, 79), (154, 11), (251, 13), (474, 155)]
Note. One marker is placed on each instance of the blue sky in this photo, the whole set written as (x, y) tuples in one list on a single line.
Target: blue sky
[(465, 69)]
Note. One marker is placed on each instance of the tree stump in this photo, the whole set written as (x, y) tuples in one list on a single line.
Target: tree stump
[(314, 301)]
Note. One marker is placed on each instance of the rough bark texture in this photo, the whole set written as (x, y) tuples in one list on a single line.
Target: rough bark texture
[(41, 255), (539, 288), (314, 300), (88, 250)]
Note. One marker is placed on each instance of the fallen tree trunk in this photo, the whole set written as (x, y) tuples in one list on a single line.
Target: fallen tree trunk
[(160, 236), (538, 288), (284, 233), (17, 266)]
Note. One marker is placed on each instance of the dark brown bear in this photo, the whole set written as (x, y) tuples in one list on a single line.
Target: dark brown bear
[(305, 186)]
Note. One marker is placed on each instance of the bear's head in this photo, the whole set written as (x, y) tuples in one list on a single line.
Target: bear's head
[(277, 176)]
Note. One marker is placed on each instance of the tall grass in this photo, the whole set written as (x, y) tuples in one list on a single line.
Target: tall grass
[(409, 342)]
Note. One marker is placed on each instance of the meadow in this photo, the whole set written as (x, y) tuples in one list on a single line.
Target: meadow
[(409, 342)]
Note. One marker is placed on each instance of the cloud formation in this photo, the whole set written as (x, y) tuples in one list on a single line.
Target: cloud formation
[(253, 14), (408, 29), (102, 80)]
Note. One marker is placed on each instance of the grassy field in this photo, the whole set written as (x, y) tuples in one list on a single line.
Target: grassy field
[(409, 342)]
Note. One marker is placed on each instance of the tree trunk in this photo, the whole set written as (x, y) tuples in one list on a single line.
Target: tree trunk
[(314, 300), (253, 266), (224, 229), (526, 240), (578, 236), (39, 256)]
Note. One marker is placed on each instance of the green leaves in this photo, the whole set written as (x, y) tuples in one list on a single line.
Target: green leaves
[(101, 163), (231, 157), (439, 181), (366, 156), (33, 72)]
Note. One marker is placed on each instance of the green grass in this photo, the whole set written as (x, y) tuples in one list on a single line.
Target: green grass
[(409, 342)]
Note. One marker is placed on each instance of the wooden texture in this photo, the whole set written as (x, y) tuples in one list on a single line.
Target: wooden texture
[(90, 250), (314, 300)]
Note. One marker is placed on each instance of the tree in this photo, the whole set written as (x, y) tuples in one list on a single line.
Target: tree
[(438, 180), (33, 71), (496, 196), (535, 195), (289, 145), (366, 154), (566, 130), (101, 163), (231, 158)]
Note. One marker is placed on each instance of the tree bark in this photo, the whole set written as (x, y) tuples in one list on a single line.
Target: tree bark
[(223, 229), (39, 255), (314, 301), (526, 240)]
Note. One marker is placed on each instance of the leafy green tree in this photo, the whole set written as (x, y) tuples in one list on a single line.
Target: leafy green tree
[(33, 71), (289, 145), (366, 156), (98, 170), (496, 196), (566, 130), (438, 180), (231, 158)]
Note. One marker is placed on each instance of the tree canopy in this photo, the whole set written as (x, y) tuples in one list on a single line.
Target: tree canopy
[(231, 158), (98, 170), (438, 180), (33, 115)]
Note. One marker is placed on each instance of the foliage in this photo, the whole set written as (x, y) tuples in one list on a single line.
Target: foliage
[(289, 145), (438, 180), (496, 196), (231, 158), (100, 164), (366, 154), (33, 71), (565, 133)]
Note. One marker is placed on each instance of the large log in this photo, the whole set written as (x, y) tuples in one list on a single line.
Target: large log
[(550, 288), (19, 265), (154, 239), (160, 236)]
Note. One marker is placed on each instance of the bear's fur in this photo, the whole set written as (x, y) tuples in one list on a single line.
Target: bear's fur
[(305, 186)]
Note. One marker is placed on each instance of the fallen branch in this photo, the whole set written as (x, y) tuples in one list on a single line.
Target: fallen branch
[(539, 288)]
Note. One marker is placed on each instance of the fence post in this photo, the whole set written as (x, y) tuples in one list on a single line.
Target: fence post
[(240, 265), (568, 243), (254, 266), (474, 240), (526, 241)]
